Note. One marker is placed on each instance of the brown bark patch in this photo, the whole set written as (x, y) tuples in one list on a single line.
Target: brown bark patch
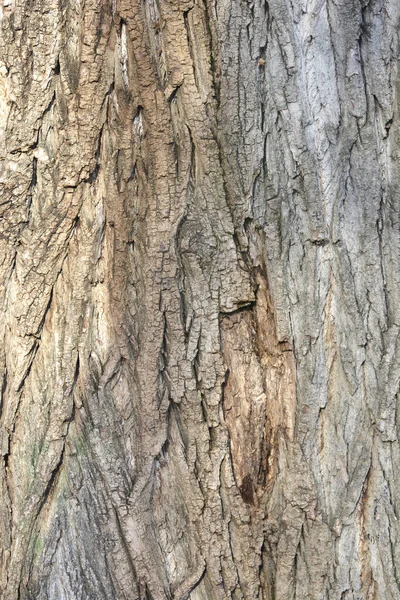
[(259, 395)]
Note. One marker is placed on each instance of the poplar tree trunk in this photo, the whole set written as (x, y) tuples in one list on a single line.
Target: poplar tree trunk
[(200, 300)]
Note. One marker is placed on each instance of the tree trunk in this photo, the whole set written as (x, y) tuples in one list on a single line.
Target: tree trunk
[(199, 286)]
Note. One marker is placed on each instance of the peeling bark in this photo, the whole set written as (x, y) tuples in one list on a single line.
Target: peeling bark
[(199, 282)]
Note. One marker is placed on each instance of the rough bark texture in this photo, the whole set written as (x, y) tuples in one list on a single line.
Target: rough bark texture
[(199, 286)]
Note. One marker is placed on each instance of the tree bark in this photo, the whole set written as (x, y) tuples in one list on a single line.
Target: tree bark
[(199, 286)]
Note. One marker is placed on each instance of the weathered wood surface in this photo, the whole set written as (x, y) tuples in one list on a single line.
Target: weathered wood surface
[(199, 289)]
